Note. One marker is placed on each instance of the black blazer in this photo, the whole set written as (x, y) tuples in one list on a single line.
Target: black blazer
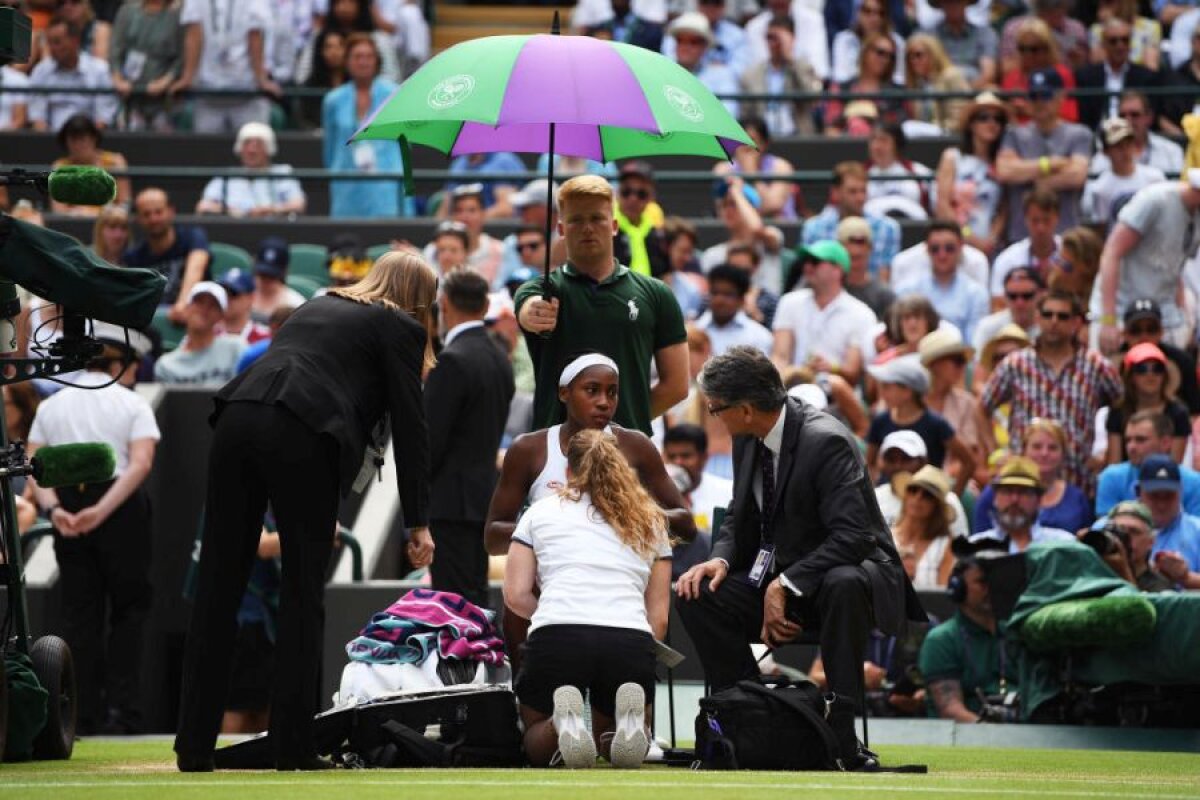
[(1094, 108), (466, 403), (339, 366), (825, 515)]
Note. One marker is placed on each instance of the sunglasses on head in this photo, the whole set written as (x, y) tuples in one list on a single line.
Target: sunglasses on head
[(1061, 316), (1014, 296), (1149, 368), (640, 194), (942, 248)]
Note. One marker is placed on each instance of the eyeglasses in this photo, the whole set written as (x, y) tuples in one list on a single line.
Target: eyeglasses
[(1149, 368), (1061, 316), (1116, 39), (1032, 48), (1144, 330), (1015, 296), (986, 117), (942, 248), (528, 247), (718, 410), (640, 194), (919, 491), (958, 360)]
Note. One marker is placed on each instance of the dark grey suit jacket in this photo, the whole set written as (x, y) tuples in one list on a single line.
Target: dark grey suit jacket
[(825, 515), (466, 403)]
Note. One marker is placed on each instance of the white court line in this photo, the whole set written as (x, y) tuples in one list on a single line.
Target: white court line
[(401, 782)]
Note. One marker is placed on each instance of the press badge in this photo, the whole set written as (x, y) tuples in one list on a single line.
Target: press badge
[(762, 564)]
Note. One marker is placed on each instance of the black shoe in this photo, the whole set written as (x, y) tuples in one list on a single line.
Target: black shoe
[(191, 762), (305, 764), (863, 761)]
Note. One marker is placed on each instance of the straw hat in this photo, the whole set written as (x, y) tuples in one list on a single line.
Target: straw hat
[(982, 100), (1012, 332), (941, 343), (932, 480), (1020, 472)]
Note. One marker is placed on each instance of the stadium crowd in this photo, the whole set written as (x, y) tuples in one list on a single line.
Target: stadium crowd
[(1024, 373)]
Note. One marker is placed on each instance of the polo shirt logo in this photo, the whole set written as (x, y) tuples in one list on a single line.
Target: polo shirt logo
[(633, 311), (1162, 473)]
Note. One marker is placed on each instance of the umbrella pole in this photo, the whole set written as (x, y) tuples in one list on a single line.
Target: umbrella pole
[(549, 216)]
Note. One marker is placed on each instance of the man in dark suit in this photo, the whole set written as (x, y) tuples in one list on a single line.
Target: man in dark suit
[(803, 545), (1116, 72), (466, 406)]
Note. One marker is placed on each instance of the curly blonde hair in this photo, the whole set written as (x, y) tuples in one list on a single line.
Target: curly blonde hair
[(599, 468)]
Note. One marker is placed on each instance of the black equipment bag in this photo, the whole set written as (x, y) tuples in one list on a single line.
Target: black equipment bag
[(781, 725)]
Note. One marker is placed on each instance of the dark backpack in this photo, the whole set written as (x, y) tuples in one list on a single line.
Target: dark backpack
[(780, 725)]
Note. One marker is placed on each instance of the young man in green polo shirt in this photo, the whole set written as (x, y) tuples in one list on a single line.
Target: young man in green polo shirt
[(599, 305), (965, 654)]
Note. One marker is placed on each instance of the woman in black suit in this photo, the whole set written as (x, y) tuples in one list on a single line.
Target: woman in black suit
[(292, 431)]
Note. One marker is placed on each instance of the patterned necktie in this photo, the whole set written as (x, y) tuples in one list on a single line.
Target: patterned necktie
[(767, 461)]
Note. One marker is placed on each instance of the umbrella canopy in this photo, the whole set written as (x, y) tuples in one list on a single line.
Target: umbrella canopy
[(606, 101)]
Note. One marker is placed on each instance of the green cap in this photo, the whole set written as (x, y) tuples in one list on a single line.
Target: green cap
[(1134, 509), (825, 250)]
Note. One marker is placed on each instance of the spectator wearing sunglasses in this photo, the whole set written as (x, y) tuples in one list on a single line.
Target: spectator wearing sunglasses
[(1151, 384), (1152, 149), (1155, 235), (855, 235), (945, 356), (1115, 72), (1143, 325), (1022, 288), (692, 37), (958, 299), (1039, 251), (1056, 379), (848, 198), (1146, 434), (639, 219)]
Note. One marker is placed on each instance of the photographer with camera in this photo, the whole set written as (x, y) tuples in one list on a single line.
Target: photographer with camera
[(1124, 540), (968, 676), (1176, 550)]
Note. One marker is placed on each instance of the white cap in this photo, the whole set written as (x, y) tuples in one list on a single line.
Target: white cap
[(811, 394), (255, 130), (908, 442), (692, 22), (216, 290)]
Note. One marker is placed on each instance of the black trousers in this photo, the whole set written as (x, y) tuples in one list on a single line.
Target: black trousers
[(106, 597), (261, 453), (460, 562), (722, 624)]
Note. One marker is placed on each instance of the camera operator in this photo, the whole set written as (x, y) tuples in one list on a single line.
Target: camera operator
[(1124, 540), (966, 669), (1176, 550)]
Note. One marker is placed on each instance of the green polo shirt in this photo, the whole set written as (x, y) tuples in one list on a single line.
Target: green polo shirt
[(627, 317), (961, 650)]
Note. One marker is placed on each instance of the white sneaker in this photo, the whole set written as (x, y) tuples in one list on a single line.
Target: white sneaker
[(630, 742), (575, 743)]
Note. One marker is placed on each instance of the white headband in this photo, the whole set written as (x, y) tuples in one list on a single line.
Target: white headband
[(572, 370)]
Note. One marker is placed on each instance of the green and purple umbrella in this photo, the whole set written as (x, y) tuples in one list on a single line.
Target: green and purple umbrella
[(562, 95)]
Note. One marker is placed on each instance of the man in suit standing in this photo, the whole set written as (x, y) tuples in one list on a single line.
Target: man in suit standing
[(1115, 73), (803, 544), (466, 406)]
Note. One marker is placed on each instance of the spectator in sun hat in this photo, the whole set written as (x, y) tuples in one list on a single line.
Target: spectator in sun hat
[(903, 453), (270, 279), (946, 356), (204, 357), (239, 287), (1143, 324), (1018, 491)]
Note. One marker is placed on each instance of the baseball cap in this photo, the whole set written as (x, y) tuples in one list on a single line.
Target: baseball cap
[(908, 442), (639, 169), (1020, 472), (1143, 308), (826, 250), (850, 227), (1132, 508), (1115, 130), (1143, 352), (237, 282), (534, 193), (273, 258), (903, 370), (213, 289), (1158, 472), (1044, 84)]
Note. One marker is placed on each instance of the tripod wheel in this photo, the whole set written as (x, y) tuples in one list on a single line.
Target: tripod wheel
[(55, 670)]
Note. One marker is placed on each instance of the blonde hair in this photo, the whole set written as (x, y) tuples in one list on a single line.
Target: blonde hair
[(1047, 426), (582, 186), (937, 57), (599, 468), (403, 282), (108, 215), (1037, 28), (865, 49)]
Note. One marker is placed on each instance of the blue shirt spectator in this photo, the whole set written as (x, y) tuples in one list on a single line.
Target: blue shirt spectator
[(1118, 482), (741, 330), (885, 235), (486, 163), (962, 302), (1183, 537), (691, 37), (730, 47)]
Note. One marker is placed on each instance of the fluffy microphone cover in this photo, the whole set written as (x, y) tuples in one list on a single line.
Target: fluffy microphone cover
[(82, 186), (73, 464)]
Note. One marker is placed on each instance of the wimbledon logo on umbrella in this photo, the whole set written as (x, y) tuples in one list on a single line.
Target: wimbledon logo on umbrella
[(451, 91), (683, 103)]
